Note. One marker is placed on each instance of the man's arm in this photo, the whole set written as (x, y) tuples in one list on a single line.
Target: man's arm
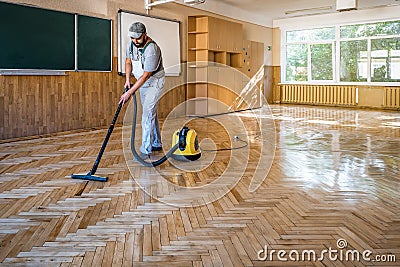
[(142, 79), (128, 71)]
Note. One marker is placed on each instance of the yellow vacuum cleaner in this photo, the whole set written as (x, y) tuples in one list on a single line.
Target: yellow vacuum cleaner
[(188, 145)]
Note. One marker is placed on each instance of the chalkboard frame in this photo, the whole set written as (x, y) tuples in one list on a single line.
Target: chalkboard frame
[(11, 65)]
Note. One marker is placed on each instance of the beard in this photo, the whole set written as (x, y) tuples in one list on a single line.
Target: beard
[(140, 45)]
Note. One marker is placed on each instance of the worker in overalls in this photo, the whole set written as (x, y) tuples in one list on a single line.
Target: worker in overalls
[(144, 60)]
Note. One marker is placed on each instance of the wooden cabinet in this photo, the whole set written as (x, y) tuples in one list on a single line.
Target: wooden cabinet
[(224, 35), (235, 40), (253, 62), (216, 33), (252, 56), (210, 41), (224, 86)]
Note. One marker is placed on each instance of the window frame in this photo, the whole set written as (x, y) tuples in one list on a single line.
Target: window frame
[(335, 54)]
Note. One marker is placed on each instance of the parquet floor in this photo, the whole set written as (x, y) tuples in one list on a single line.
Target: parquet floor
[(330, 177)]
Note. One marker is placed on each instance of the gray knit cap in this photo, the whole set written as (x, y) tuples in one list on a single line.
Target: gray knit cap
[(136, 30)]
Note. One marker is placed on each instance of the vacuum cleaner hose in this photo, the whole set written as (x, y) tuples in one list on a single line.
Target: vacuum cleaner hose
[(135, 154)]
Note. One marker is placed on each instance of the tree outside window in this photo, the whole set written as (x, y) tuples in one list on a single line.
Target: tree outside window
[(296, 62), (368, 53), (321, 62), (385, 60), (353, 61)]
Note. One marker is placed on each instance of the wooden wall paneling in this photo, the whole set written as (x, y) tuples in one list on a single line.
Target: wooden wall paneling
[(40, 105), (171, 100), (268, 84), (2, 114), (11, 105), (212, 92), (276, 88), (5, 96)]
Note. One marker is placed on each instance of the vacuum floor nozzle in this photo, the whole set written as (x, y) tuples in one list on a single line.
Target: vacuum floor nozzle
[(89, 177)]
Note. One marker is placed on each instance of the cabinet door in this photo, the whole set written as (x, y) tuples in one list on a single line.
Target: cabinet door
[(257, 57), (226, 77), (213, 73), (246, 56), (226, 92), (230, 35), (216, 31), (235, 37), (212, 101)]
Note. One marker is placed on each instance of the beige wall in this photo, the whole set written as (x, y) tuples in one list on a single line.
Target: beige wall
[(92, 7), (276, 47), (259, 34), (109, 9)]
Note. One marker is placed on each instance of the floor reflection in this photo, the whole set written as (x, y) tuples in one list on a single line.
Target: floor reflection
[(341, 150)]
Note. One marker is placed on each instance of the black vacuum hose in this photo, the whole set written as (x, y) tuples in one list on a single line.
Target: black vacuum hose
[(135, 154)]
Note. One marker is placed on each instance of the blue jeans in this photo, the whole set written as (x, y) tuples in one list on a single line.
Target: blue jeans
[(150, 94)]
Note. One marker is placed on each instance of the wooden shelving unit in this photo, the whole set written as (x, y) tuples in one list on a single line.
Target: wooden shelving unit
[(212, 44)]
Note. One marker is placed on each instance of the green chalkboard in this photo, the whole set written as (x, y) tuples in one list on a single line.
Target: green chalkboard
[(94, 44), (34, 38)]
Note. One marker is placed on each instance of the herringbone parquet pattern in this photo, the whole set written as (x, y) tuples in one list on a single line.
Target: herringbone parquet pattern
[(335, 175)]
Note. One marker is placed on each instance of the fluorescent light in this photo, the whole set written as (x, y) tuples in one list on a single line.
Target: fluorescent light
[(321, 8)]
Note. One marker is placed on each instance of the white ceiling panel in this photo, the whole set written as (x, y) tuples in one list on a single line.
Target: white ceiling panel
[(263, 12)]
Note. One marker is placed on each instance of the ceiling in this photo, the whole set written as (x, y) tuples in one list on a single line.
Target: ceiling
[(263, 12)]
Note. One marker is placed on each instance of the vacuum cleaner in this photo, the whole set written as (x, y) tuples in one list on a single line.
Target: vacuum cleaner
[(184, 141), (185, 144)]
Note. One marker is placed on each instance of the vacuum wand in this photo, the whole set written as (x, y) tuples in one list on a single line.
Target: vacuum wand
[(90, 175)]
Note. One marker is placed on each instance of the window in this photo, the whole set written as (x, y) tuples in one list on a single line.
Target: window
[(385, 60), (370, 29), (296, 62), (309, 55), (353, 61), (366, 53)]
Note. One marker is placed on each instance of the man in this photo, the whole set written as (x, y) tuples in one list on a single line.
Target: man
[(144, 60)]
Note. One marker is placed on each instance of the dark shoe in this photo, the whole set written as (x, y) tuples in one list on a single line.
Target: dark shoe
[(156, 148), (143, 156)]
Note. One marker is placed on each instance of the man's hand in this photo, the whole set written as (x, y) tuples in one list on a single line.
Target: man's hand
[(127, 84), (125, 97)]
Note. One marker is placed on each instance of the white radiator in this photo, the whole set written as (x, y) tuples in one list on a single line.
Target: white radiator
[(391, 98), (319, 94)]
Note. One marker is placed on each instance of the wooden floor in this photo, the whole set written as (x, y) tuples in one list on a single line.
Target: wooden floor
[(335, 177)]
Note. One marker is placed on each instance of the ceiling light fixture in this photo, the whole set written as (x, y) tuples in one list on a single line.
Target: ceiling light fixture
[(148, 4), (194, 2), (307, 10)]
